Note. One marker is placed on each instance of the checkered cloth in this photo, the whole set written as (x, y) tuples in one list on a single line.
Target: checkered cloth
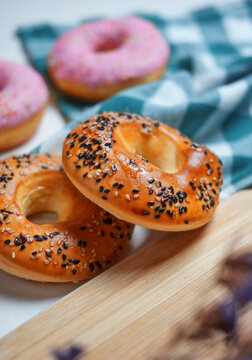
[(206, 91)]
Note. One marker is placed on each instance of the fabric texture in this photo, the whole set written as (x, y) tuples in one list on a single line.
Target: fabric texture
[(206, 91)]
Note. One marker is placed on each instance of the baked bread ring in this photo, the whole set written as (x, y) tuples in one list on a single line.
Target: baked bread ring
[(80, 245), (143, 171)]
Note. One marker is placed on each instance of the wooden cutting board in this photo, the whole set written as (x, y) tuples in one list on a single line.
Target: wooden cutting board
[(130, 310)]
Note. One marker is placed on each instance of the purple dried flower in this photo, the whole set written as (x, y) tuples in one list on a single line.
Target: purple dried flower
[(71, 353), (228, 315), (243, 291)]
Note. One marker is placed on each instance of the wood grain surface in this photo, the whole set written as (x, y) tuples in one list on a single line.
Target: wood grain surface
[(130, 311)]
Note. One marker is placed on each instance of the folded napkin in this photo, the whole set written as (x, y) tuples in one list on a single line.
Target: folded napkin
[(206, 91)]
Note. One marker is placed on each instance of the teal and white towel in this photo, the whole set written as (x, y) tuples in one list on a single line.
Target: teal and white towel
[(206, 91)]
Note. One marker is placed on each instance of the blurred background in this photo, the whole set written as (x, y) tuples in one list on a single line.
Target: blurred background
[(16, 13)]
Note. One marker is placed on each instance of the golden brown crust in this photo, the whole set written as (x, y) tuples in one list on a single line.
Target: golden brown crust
[(80, 245), (105, 158), (101, 92), (17, 135)]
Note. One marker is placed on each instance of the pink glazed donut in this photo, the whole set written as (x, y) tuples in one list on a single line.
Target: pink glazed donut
[(23, 98), (95, 60)]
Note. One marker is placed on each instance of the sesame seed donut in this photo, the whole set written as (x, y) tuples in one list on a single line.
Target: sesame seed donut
[(95, 60), (80, 245), (143, 171), (23, 98)]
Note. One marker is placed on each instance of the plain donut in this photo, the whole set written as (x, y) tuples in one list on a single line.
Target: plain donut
[(143, 171)]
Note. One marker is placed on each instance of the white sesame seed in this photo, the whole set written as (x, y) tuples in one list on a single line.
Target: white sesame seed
[(13, 255), (127, 197)]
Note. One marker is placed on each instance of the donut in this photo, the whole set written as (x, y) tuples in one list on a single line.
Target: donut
[(23, 98), (143, 171), (83, 241), (95, 60)]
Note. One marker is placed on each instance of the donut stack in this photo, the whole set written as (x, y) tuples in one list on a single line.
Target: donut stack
[(118, 169)]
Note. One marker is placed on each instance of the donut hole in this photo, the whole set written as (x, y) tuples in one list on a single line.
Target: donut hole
[(158, 147), (45, 197), (110, 43), (43, 217)]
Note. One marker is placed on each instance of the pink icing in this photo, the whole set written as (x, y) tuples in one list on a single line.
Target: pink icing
[(23, 93), (109, 51)]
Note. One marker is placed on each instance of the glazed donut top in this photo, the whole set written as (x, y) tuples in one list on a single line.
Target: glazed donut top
[(143, 171), (84, 240), (23, 93), (109, 51)]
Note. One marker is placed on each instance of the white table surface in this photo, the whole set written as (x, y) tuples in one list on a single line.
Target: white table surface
[(20, 299)]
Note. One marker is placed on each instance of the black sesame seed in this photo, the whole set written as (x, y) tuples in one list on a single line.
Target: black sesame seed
[(7, 242), (171, 189), (101, 188), (150, 203), (212, 203), (145, 212), (91, 267), (65, 246), (98, 264), (107, 221)]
